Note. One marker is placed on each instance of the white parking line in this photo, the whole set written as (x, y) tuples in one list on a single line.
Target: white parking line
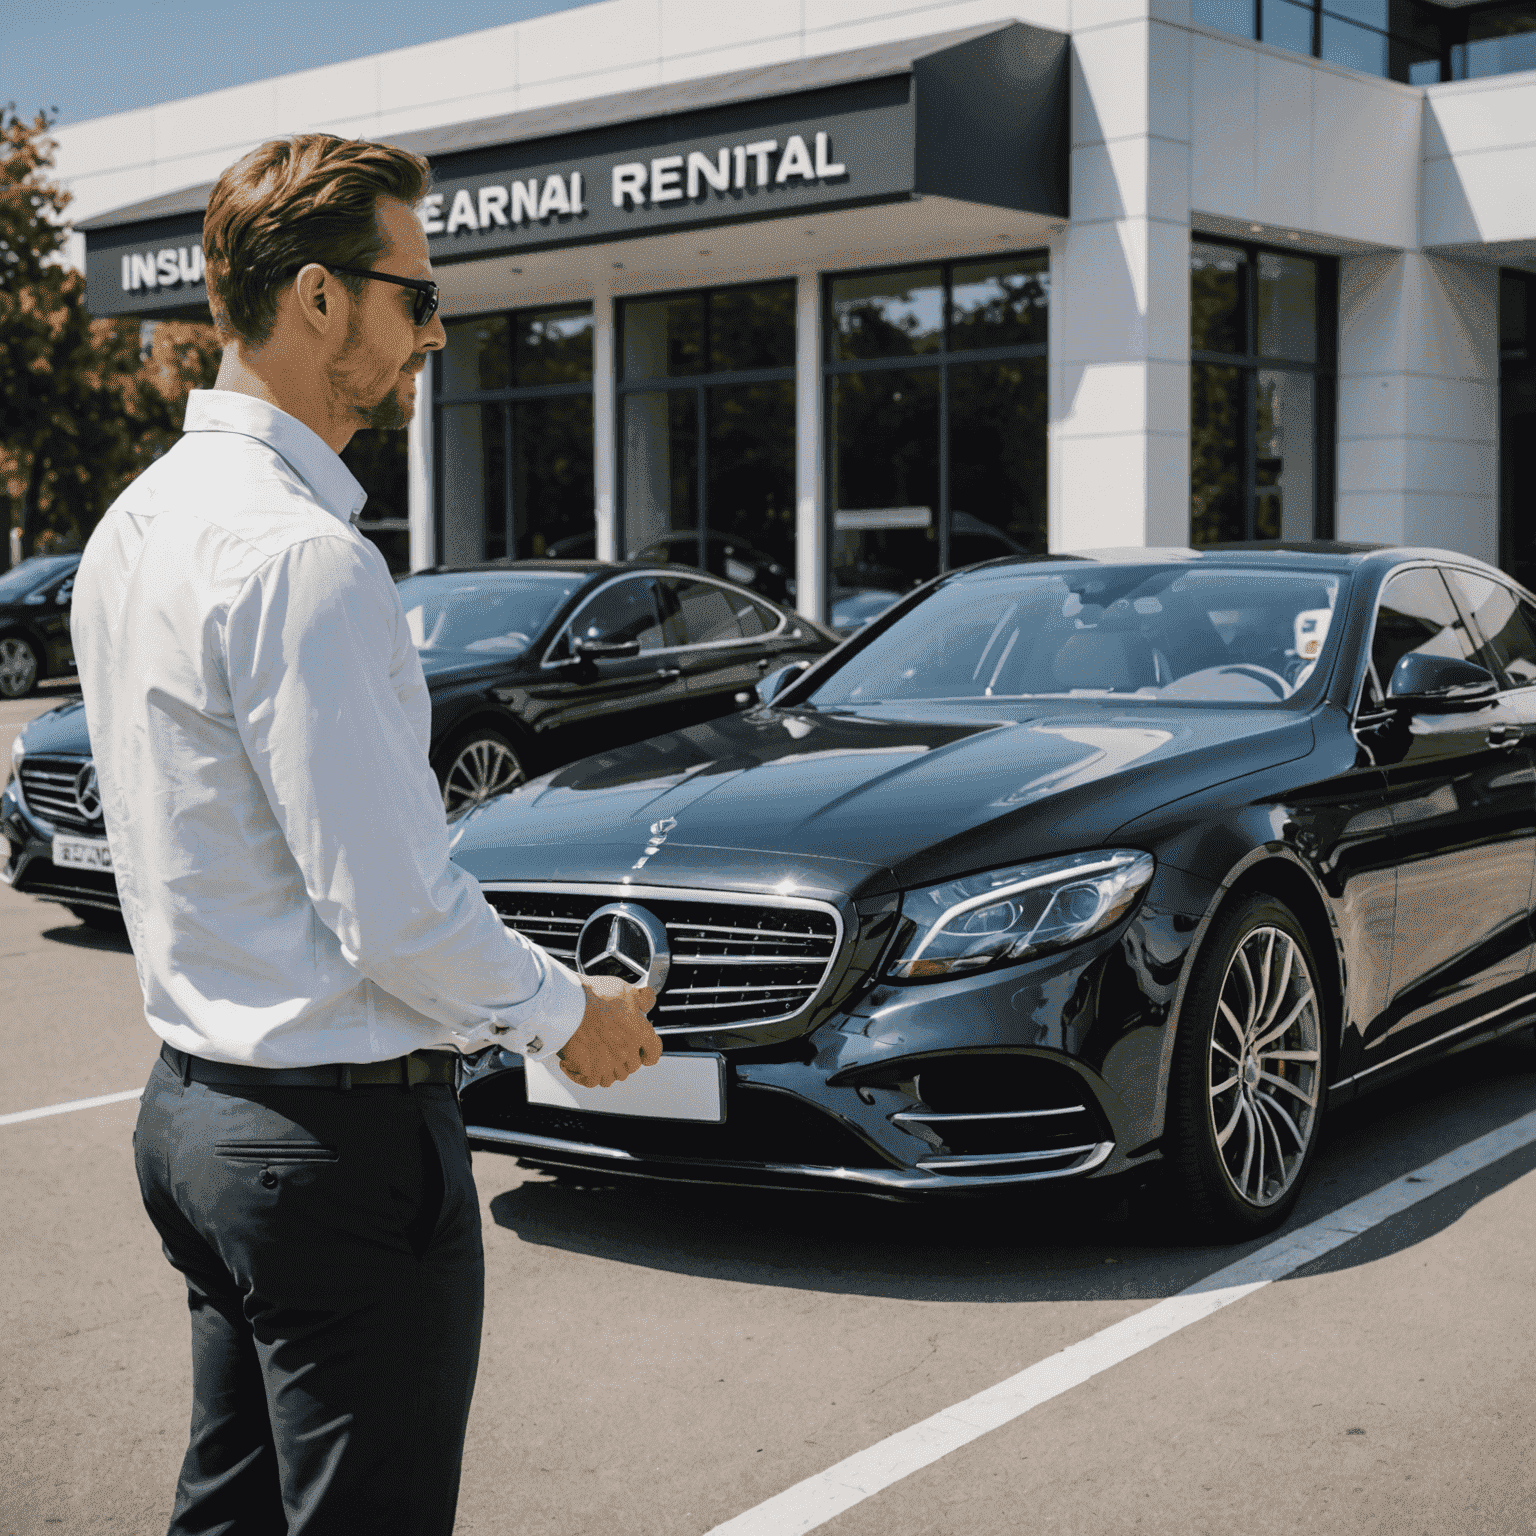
[(64, 1109), (819, 1499)]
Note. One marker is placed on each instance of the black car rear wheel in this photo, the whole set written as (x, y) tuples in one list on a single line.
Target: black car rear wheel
[(475, 766), (18, 667), (1246, 1095)]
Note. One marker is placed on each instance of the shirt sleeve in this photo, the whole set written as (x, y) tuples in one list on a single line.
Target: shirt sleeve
[(307, 649)]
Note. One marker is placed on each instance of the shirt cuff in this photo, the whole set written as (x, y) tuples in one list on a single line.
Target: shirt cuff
[(538, 1027)]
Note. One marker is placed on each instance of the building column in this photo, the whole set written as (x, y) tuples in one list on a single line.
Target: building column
[(1119, 319), (419, 472), (810, 461), (1419, 402), (605, 458)]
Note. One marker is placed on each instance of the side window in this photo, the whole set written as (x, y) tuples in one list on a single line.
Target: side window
[(624, 611), (755, 618), (1416, 614), (1505, 624), (710, 614)]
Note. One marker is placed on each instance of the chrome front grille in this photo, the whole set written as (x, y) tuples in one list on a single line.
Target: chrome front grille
[(735, 961), (48, 786)]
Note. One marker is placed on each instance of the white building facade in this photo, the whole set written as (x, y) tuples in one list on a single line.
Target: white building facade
[(830, 295)]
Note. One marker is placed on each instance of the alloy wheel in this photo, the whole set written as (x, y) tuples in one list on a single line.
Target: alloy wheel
[(18, 667), (1265, 1066), (481, 769)]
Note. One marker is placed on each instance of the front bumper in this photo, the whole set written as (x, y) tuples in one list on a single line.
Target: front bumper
[(26, 862), (1038, 1073)]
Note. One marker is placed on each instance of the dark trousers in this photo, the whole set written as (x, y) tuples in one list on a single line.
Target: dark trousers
[(330, 1242)]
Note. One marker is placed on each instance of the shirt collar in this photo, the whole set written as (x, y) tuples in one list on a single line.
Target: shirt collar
[(307, 454)]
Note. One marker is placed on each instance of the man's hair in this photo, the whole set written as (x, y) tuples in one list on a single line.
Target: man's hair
[(311, 198)]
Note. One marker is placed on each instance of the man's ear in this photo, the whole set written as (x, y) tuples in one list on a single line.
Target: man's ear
[(315, 290)]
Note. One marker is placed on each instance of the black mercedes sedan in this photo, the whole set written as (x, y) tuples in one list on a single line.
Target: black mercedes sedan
[(34, 622), (528, 664), (1130, 864)]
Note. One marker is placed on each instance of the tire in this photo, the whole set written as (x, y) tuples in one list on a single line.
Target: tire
[(1243, 1125), (20, 667), (475, 766)]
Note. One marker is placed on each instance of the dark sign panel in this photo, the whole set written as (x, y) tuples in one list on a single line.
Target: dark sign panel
[(153, 268), (983, 121), (822, 149)]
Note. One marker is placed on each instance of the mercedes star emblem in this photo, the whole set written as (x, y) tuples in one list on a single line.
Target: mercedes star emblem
[(88, 792), (626, 941)]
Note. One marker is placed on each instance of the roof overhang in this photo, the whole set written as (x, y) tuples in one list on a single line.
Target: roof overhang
[(977, 116)]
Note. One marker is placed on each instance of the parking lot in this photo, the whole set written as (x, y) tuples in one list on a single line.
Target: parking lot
[(666, 1359)]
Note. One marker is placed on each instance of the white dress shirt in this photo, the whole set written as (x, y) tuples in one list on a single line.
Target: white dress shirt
[(260, 723)]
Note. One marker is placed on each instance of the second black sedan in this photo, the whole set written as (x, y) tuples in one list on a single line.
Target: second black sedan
[(537, 662), (529, 665)]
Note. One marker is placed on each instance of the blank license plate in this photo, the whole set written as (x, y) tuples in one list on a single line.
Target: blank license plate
[(683, 1085), (81, 853)]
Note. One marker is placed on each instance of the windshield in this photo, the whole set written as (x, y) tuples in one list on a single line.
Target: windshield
[(501, 611), (32, 574), (1175, 632)]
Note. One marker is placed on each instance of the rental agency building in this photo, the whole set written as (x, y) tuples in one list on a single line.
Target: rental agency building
[(840, 293)]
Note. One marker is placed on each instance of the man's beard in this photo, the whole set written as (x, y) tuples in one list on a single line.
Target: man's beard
[(390, 411), (352, 385)]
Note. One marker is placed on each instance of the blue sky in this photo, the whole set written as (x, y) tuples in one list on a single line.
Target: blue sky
[(92, 57)]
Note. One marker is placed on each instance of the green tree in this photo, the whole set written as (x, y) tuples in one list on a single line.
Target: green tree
[(85, 404)]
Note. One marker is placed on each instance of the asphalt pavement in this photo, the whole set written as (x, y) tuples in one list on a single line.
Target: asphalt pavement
[(662, 1359)]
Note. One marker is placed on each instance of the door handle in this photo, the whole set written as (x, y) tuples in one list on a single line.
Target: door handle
[(1504, 735), (669, 671)]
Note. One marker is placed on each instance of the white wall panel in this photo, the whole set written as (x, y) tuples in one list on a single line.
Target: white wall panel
[(1365, 158), (1418, 404), (338, 93), (1282, 143), (1482, 195), (1470, 115), (719, 61), (589, 41), (687, 25), (1110, 89), (1223, 108), (484, 63), (239, 117)]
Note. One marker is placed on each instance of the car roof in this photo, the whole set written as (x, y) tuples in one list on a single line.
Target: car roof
[(1318, 554)]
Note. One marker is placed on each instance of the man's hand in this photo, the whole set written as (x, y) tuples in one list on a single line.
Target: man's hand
[(614, 1037)]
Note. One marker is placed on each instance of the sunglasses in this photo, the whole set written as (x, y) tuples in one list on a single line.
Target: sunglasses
[(426, 293)]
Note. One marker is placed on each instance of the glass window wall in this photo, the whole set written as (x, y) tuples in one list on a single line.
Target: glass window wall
[(707, 431), (1261, 394), (514, 435), (1408, 40), (936, 405)]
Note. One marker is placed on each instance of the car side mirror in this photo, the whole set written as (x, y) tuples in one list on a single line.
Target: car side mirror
[(776, 682), (1438, 682), (605, 650)]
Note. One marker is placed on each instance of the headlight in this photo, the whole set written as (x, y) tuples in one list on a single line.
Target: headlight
[(1019, 912), (17, 751)]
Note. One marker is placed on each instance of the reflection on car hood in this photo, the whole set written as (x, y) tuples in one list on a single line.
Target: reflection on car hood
[(59, 730), (441, 665), (921, 793)]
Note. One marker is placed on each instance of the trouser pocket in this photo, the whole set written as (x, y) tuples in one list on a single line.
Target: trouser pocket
[(275, 1152)]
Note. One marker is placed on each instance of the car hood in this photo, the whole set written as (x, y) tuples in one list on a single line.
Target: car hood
[(59, 730), (860, 801)]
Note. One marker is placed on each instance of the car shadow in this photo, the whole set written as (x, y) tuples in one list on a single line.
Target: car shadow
[(83, 936), (1061, 1244)]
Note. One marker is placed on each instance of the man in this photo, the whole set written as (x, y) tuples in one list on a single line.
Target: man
[(307, 952)]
